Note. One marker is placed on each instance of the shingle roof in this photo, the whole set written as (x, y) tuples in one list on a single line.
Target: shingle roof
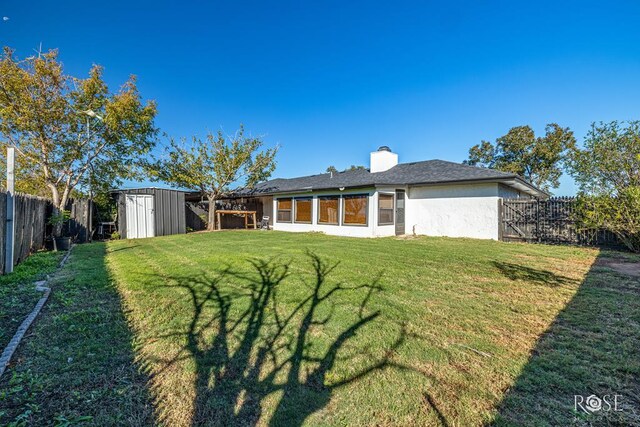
[(426, 172)]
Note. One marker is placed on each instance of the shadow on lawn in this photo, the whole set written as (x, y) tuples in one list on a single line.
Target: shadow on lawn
[(262, 346), (528, 274), (592, 348), (77, 365)]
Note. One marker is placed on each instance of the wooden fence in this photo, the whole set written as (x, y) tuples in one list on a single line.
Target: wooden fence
[(548, 221), (80, 224), (31, 217)]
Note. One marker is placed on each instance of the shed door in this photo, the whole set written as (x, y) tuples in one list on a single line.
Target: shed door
[(400, 212), (140, 220)]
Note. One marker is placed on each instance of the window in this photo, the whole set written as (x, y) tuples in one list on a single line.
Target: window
[(385, 209), (303, 210), (328, 210), (355, 210), (284, 210)]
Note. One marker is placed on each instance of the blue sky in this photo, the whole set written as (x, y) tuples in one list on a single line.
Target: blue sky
[(330, 81)]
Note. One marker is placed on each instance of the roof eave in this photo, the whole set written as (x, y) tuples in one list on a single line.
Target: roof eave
[(512, 180), (527, 187)]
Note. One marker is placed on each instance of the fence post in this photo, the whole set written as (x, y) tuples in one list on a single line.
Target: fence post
[(500, 220), (538, 235), (11, 209)]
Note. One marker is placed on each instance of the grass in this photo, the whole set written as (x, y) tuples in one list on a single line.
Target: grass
[(76, 364), (18, 295), (237, 328)]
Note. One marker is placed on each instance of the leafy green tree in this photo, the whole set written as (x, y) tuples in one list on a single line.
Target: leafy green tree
[(537, 159), (607, 171), (216, 166), (332, 169), (70, 132)]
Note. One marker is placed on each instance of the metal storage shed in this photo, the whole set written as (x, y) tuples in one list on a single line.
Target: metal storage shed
[(149, 212)]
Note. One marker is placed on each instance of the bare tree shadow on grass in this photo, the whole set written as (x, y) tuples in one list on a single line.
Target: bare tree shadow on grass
[(248, 343)]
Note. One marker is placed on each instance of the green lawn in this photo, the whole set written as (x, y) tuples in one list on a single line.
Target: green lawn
[(18, 295), (268, 328)]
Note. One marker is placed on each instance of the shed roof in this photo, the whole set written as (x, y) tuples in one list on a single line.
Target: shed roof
[(124, 190)]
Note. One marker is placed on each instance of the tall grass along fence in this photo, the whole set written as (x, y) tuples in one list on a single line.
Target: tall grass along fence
[(31, 225), (549, 221)]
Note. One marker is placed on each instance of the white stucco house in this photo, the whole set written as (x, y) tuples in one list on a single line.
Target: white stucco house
[(433, 197)]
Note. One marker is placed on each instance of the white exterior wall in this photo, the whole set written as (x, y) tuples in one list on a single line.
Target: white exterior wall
[(370, 230), (507, 192), (463, 210), (454, 210), (267, 208)]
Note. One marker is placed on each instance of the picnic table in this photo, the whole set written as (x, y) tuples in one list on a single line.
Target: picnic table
[(246, 214)]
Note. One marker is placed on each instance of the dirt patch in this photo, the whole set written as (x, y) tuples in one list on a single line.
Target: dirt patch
[(406, 237), (617, 264)]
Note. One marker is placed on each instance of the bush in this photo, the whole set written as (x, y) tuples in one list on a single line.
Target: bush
[(606, 170), (115, 236), (619, 214)]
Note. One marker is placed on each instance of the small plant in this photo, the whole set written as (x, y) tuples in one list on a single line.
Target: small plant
[(59, 218), (204, 219), (115, 236), (57, 221)]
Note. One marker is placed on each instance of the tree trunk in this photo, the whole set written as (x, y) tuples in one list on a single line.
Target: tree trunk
[(56, 230), (211, 224)]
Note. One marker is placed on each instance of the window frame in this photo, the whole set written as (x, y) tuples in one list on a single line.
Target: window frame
[(330, 196), (344, 201), (393, 208), (284, 210), (294, 207)]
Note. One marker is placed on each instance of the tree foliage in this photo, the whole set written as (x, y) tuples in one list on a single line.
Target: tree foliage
[(333, 169), (215, 166), (70, 132), (537, 159), (607, 171)]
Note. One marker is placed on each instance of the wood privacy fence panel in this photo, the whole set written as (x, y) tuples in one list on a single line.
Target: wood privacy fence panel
[(196, 215), (80, 225), (548, 221), (30, 226), (31, 216), (3, 225)]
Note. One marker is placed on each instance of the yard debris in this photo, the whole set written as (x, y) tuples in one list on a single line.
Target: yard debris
[(481, 353)]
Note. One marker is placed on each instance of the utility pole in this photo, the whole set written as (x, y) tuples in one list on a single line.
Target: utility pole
[(11, 210)]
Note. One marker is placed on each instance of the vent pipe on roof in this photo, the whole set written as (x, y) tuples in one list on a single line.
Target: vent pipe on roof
[(382, 160)]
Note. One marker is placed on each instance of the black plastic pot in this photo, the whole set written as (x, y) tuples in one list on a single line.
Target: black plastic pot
[(63, 243)]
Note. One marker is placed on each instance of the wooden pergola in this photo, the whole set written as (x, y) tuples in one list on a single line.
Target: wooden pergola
[(246, 214)]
